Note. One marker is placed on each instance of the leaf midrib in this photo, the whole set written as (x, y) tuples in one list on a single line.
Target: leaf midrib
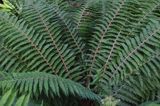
[(30, 41), (132, 52), (50, 34)]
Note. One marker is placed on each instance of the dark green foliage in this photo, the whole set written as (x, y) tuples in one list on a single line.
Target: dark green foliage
[(39, 82), (110, 46)]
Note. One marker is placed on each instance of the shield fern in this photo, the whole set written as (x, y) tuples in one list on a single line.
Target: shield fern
[(109, 46)]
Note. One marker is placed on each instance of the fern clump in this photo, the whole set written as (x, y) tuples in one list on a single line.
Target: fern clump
[(63, 53)]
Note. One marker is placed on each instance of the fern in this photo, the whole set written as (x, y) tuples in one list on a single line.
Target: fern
[(52, 30), (43, 82), (6, 6), (8, 99), (109, 46)]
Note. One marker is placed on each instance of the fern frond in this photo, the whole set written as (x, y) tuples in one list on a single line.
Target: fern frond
[(145, 89), (136, 49), (11, 61), (60, 15), (38, 82), (26, 41), (110, 46), (39, 17), (71, 38), (10, 99), (148, 14), (142, 80), (110, 32), (22, 33)]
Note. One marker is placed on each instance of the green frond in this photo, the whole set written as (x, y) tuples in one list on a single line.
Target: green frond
[(136, 49), (10, 99), (71, 38), (10, 60), (110, 46), (142, 91), (44, 47), (155, 103), (59, 14), (111, 37), (6, 6), (52, 32), (142, 80), (37, 83), (22, 32), (110, 31)]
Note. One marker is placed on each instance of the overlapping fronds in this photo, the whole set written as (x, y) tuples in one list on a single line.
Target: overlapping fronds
[(112, 30), (140, 85), (135, 50), (110, 46), (28, 46), (39, 16), (122, 39)]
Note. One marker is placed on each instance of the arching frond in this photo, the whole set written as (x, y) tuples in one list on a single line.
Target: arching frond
[(44, 53), (38, 82), (52, 32)]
